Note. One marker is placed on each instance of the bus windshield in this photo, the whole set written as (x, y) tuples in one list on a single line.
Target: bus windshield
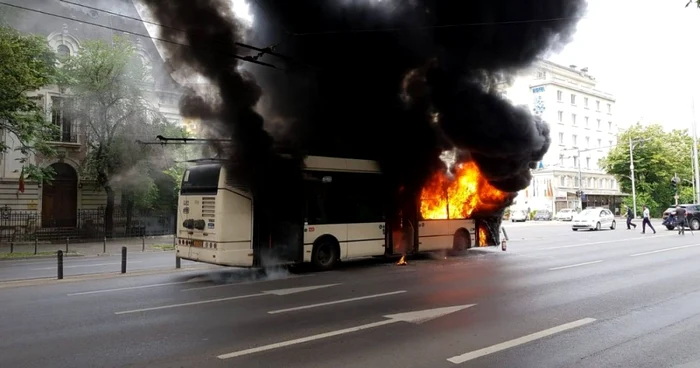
[(201, 179)]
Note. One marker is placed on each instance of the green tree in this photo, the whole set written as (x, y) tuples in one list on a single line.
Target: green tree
[(26, 64), (656, 160), (106, 85)]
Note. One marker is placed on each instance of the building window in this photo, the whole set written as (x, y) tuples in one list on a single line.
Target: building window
[(588, 142), (560, 116), (63, 52), (573, 99), (573, 119), (60, 116), (597, 105), (600, 142), (560, 95), (561, 181), (610, 125), (585, 119), (598, 124), (609, 109), (585, 102), (561, 138), (575, 161), (561, 161), (573, 139), (610, 143), (576, 182), (588, 162)]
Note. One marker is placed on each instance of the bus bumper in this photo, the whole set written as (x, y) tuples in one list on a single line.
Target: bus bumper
[(233, 258)]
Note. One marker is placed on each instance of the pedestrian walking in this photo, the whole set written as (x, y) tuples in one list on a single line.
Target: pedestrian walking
[(681, 220), (646, 221), (630, 216)]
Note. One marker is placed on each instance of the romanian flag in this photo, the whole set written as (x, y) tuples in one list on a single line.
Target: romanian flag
[(21, 181)]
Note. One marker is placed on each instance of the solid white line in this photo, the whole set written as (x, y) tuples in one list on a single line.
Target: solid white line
[(336, 302), (665, 250), (244, 283), (575, 265), (191, 303), (306, 339), (519, 341), (131, 288), (88, 265), (601, 242)]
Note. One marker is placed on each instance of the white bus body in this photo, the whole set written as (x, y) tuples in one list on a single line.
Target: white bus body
[(343, 219)]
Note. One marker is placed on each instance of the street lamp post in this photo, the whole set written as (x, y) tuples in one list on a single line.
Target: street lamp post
[(634, 190)]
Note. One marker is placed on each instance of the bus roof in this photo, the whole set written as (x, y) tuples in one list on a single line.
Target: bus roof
[(318, 163), (321, 163)]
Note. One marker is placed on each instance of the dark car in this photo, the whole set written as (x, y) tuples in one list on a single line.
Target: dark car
[(543, 215), (692, 214)]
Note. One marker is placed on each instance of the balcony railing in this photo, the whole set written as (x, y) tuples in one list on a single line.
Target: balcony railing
[(67, 132)]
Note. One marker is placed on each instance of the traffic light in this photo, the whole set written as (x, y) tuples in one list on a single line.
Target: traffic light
[(674, 184)]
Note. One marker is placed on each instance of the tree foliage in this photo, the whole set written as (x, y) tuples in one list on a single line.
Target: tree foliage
[(26, 64), (108, 95), (656, 160), (696, 2)]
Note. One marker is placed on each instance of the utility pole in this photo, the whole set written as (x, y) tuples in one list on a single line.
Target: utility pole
[(580, 182), (634, 190), (696, 179)]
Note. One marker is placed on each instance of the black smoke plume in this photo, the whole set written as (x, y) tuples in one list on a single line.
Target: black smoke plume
[(399, 81)]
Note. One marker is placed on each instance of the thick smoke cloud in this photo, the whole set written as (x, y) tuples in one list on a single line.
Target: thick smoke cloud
[(399, 81)]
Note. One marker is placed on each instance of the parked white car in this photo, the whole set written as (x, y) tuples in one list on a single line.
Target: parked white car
[(594, 219), (519, 216), (566, 214)]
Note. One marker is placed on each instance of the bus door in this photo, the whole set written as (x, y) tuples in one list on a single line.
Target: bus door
[(279, 231)]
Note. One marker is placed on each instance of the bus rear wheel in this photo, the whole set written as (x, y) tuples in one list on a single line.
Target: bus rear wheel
[(325, 254), (461, 241)]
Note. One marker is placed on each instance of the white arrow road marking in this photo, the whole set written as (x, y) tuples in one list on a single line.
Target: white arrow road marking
[(269, 292), (133, 287), (519, 341), (336, 302), (416, 317)]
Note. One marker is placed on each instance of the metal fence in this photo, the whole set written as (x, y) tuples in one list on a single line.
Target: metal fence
[(27, 226)]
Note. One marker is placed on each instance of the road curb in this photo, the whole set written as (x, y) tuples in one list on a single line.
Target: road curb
[(40, 257), (90, 277)]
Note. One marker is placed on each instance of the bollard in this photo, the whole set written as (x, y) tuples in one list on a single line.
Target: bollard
[(104, 245), (143, 243), (36, 246), (12, 247), (123, 259), (60, 264), (177, 262), (505, 234), (67, 238)]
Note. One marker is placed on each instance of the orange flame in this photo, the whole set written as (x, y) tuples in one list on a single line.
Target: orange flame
[(467, 192), (482, 237), (402, 261)]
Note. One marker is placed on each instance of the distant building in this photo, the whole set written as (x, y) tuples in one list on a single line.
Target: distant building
[(58, 205), (581, 118)]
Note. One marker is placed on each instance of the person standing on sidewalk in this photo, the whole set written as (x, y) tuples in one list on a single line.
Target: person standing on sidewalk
[(681, 220), (646, 221), (630, 216)]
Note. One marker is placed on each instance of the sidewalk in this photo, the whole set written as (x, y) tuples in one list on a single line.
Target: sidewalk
[(112, 246)]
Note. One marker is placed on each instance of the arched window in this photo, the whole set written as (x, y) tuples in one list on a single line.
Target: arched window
[(63, 52)]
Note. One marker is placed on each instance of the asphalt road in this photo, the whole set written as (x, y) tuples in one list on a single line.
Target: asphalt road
[(72, 266), (555, 298)]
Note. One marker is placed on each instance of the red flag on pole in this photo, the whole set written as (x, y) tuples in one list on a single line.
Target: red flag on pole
[(21, 181)]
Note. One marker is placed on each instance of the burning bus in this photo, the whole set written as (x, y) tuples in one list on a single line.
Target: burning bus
[(341, 214)]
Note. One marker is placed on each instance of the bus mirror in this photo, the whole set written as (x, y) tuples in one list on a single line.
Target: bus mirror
[(327, 179)]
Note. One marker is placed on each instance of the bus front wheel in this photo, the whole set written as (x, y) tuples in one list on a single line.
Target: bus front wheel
[(325, 254)]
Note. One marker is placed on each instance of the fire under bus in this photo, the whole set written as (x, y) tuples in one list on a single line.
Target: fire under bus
[(342, 216)]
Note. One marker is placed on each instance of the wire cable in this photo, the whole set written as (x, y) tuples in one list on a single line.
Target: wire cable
[(249, 59), (266, 50)]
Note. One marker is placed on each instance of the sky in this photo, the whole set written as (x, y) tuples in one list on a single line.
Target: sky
[(645, 53)]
